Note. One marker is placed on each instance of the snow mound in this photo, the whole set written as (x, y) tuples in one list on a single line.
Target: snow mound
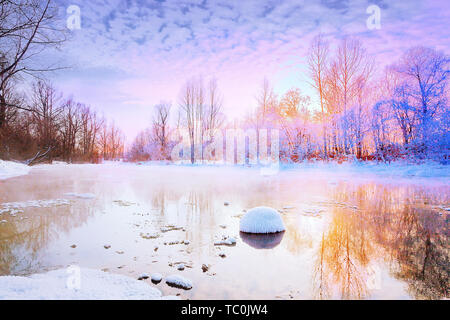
[(94, 285), (10, 169), (262, 220), (179, 282)]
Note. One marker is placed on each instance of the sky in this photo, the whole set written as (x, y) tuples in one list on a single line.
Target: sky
[(131, 54)]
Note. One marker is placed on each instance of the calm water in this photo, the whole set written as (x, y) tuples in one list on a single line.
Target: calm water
[(346, 237)]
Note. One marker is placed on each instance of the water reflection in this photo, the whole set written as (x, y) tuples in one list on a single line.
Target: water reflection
[(343, 241), (262, 241), (410, 239)]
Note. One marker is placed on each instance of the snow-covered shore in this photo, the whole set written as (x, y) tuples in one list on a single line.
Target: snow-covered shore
[(9, 169), (355, 169), (394, 169), (369, 169), (93, 285)]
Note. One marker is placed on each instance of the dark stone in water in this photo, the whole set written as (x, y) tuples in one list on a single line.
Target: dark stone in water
[(262, 241)]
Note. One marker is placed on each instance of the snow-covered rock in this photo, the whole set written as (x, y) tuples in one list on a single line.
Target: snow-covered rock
[(10, 169), (262, 220), (143, 276), (226, 242), (180, 267), (156, 277), (94, 285), (179, 282)]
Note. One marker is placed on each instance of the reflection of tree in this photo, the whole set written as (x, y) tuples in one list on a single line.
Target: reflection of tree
[(421, 251), (342, 259), (22, 241), (414, 238)]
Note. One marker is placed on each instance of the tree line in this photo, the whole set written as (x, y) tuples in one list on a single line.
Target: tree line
[(41, 124), (399, 113)]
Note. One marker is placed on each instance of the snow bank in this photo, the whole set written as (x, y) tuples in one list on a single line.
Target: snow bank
[(94, 285), (179, 282), (10, 169), (397, 169), (262, 220)]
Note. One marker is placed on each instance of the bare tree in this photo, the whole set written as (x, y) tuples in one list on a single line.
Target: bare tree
[(27, 28), (318, 64), (192, 102), (161, 128), (213, 117), (46, 112), (350, 66), (70, 128)]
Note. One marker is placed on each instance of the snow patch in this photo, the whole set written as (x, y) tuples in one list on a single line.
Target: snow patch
[(262, 220), (18, 206), (80, 195), (10, 169), (94, 285)]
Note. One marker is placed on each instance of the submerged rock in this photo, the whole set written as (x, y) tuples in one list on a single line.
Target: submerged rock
[(171, 228), (262, 220), (149, 236)]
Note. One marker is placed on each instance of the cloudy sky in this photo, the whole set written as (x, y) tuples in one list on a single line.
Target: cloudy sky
[(130, 54)]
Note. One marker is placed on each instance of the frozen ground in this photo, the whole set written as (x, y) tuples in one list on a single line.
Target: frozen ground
[(63, 285), (9, 169)]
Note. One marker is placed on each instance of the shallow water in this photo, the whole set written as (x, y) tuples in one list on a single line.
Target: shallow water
[(347, 237)]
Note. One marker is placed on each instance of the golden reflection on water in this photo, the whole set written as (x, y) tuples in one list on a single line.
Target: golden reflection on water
[(358, 239)]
